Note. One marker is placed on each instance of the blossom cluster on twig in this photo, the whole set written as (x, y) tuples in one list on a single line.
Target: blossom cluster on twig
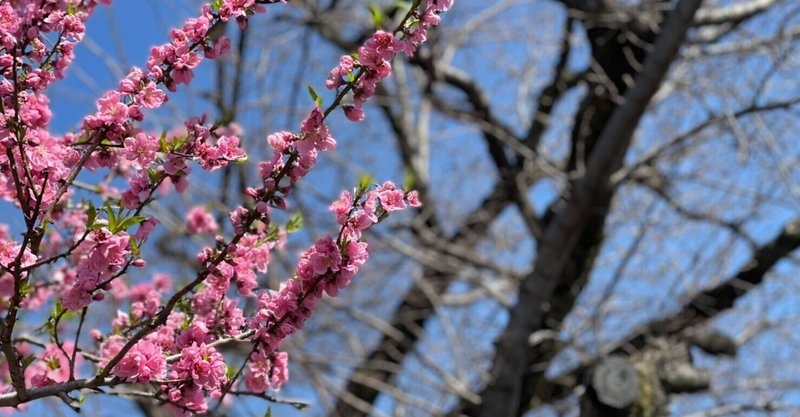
[(171, 334)]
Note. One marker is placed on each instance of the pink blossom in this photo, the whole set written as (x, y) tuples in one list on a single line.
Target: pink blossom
[(238, 217), (324, 256), (342, 206), (198, 220), (392, 199), (51, 366), (280, 141), (202, 364), (132, 82), (354, 114), (138, 193), (379, 49), (267, 371), (196, 334), (339, 74), (151, 97), (413, 199), (106, 254), (196, 29), (190, 397), (9, 21), (145, 228), (315, 131), (10, 250), (143, 362), (109, 349), (141, 149), (111, 109)]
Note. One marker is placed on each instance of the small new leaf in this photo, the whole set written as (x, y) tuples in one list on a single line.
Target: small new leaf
[(134, 246), (91, 214), (25, 288), (409, 180), (344, 245), (377, 15), (152, 175), (58, 310), (314, 96), (364, 182), (162, 143), (402, 5), (112, 217), (295, 223), (127, 223), (27, 361), (272, 233)]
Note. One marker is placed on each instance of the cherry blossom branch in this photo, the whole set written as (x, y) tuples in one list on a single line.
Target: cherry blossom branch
[(104, 250)]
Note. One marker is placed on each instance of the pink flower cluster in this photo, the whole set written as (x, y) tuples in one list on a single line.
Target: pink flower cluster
[(267, 371), (145, 298), (32, 160), (363, 72), (326, 267), (106, 254), (201, 370), (143, 363), (198, 220), (51, 365)]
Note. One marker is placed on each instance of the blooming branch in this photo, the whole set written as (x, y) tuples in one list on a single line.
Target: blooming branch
[(171, 344)]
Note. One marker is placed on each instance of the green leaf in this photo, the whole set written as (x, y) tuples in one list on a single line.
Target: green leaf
[(162, 143), (25, 288), (127, 223), (408, 179), (134, 246), (402, 5), (91, 213), (364, 182), (269, 412), (377, 15), (112, 217), (28, 360), (272, 233), (58, 309), (295, 223), (230, 372), (314, 96), (152, 175)]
